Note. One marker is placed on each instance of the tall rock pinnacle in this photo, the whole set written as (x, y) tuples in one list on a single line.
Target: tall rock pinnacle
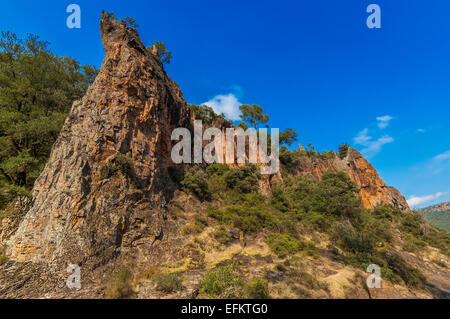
[(107, 182)]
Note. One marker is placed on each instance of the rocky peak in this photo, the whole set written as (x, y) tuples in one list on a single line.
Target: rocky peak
[(106, 184)]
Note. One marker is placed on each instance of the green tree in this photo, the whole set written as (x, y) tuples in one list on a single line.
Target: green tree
[(254, 115), (288, 137), (37, 90), (343, 150), (131, 21), (166, 55)]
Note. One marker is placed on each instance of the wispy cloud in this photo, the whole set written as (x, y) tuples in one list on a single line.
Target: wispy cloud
[(371, 146), (442, 157), (383, 121), (420, 130), (227, 104), (415, 201)]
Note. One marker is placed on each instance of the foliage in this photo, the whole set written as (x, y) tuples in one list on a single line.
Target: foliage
[(249, 215), (196, 181), (165, 55), (205, 113), (131, 22), (440, 219), (223, 235), (112, 16), (343, 150), (283, 244), (258, 288), (254, 115), (243, 179), (168, 282), (37, 90), (288, 137), (122, 163), (222, 283)]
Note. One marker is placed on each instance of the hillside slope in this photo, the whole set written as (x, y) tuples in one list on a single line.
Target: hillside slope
[(438, 215)]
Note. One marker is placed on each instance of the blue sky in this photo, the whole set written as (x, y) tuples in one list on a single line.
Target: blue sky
[(312, 65)]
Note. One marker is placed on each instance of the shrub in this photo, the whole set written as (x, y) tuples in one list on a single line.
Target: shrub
[(205, 113), (279, 199), (196, 181), (223, 235), (3, 257), (217, 169), (327, 154), (352, 240), (168, 283), (250, 215), (410, 275), (343, 150), (243, 179), (119, 285), (122, 163), (283, 245), (338, 195), (258, 288), (222, 283)]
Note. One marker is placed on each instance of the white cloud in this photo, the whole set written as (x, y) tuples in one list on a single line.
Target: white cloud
[(383, 121), (227, 104), (421, 130), (372, 146), (443, 156), (415, 201)]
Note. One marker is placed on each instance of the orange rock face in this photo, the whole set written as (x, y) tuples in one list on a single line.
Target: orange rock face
[(374, 190)]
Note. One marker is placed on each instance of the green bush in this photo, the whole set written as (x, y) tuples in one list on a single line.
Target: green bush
[(410, 275), (168, 282), (122, 163), (222, 283), (217, 169), (244, 179), (258, 288), (343, 150), (352, 240), (223, 235), (196, 181), (3, 257), (283, 245)]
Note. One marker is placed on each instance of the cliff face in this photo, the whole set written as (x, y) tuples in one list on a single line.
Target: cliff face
[(374, 190), (88, 201)]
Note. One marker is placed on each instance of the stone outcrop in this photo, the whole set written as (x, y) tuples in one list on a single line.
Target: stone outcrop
[(373, 190), (107, 181)]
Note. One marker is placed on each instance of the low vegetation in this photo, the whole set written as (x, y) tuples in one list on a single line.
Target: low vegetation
[(120, 285), (168, 282)]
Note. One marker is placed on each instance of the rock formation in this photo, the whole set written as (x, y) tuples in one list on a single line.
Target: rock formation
[(106, 183), (374, 190)]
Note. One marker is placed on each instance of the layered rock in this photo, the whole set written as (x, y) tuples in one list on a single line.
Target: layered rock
[(106, 183)]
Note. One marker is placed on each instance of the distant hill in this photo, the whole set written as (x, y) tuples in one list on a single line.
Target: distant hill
[(438, 215)]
